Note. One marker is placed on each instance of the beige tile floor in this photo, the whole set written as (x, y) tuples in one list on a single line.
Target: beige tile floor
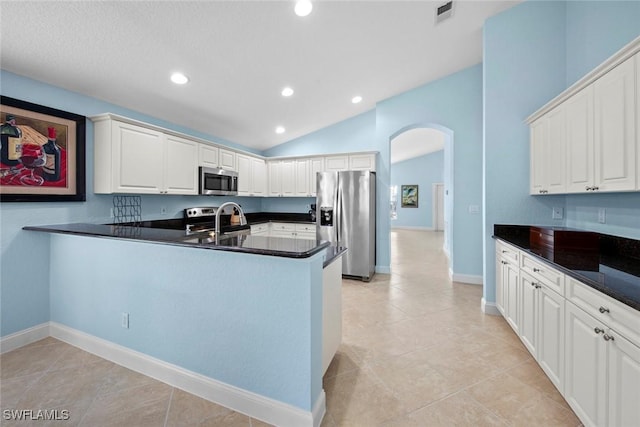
[(416, 351)]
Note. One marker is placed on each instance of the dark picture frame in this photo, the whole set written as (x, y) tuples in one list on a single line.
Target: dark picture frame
[(33, 121), (409, 196)]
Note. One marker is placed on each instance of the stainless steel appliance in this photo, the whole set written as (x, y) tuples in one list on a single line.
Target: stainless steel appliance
[(218, 182), (346, 216), (208, 219)]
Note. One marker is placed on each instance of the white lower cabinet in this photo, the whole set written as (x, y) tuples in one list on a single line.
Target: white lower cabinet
[(586, 367), (331, 311), (586, 342), (287, 230)]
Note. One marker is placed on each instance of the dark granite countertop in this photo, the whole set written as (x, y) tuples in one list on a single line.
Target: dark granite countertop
[(245, 243), (615, 273), (332, 253)]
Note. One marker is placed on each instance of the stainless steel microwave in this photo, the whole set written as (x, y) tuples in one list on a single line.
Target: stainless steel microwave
[(218, 182)]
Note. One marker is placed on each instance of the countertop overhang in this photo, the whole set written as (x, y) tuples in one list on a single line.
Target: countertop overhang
[(260, 245), (616, 274)]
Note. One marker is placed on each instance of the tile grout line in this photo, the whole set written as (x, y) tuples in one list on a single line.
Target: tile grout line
[(166, 415)]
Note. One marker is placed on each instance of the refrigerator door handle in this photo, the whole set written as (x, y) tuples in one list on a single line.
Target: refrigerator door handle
[(338, 216)]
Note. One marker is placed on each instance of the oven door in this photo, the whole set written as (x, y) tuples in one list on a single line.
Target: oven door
[(218, 182)]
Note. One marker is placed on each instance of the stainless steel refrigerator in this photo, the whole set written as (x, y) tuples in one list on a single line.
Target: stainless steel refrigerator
[(346, 216)]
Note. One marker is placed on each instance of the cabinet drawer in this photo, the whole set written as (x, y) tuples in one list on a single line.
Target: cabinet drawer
[(259, 228), (616, 315), (544, 273), (507, 251), (305, 228), (281, 226)]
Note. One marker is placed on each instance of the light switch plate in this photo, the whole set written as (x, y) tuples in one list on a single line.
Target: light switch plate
[(602, 216)]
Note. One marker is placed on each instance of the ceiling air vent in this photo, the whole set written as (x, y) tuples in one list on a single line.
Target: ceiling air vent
[(444, 11)]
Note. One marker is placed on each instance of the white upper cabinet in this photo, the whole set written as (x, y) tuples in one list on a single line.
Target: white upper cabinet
[(131, 158), (208, 156), (548, 153), (181, 167), (586, 139), (275, 178), (316, 165), (615, 139), (580, 164), (252, 175), (227, 159), (336, 163), (362, 162), (288, 171), (302, 178)]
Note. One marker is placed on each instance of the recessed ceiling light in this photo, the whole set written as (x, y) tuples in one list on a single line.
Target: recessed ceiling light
[(279, 129), (179, 78), (287, 91), (303, 7), (356, 99)]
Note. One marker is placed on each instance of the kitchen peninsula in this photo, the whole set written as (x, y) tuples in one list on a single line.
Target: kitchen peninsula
[(237, 320)]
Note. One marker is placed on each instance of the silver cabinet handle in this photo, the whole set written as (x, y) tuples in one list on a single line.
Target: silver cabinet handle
[(504, 262), (588, 188), (538, 286), (598, 330), (596, 189), (604, 310), (608, 337), (504, 252), (533, 284), (536, 270)]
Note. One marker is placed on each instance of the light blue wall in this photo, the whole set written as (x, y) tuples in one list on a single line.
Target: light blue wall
[(424, 171), (452, 104), (596, 30), (354, 134), (524, 67), (287, 204), (251, 321), (25, 298), (532, 52)]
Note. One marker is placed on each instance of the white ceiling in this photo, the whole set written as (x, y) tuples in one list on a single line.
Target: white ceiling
[(239, 55), (415, 143)]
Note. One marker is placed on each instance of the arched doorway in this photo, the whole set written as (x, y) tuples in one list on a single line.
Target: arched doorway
[(422, 154)]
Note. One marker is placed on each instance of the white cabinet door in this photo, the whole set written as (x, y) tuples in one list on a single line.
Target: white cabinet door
[(227, 159), (555, 170), (316, 165), (362, 162), (511, 293), (529, 313), (624, 381), (638, 120), (288, 178), (538, 151), (258, 177), (550, 342), (243, 166), (138, 159), (302, 178), (615, 140), (181, 166), (208, 156), (585, 388), (331, 311), (580, 163), (275, 178), (336, 163)]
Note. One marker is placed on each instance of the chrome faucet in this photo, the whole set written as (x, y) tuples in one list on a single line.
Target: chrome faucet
[(243, 219)]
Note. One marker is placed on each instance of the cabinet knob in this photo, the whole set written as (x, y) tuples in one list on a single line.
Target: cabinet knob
[(536, 270), (533, 284), (538, 286), (598, 330), (588, 188), (596, 189), (604, 310), (504, 252), (608, 337), (504, 262)]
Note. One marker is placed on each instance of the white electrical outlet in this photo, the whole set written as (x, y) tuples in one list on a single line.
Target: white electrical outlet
[(602, 215), (557, 213), (125, 320)]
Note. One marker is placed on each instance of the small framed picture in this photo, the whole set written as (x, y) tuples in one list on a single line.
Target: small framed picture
[(409, 196), (42, 153)]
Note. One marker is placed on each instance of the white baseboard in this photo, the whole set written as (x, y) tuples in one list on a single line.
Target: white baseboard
[(402, 227), (24, 337), (246, 402), (465, 278), (489, 308)]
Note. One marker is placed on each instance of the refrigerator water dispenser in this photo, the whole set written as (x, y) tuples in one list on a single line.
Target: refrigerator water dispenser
[(326, 216)]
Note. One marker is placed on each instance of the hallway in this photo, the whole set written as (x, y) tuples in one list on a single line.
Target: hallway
[(417, 351)]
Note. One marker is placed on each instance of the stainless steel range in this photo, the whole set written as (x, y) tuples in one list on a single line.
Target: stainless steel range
[(203, 219)]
